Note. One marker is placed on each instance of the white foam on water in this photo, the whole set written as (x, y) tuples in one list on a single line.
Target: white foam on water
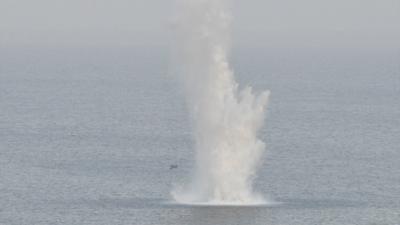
[(268, 203), (225, 118)]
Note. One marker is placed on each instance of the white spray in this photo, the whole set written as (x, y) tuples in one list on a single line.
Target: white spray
[(225, 119)]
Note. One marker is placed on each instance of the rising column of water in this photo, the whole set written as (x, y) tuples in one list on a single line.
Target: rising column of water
[(225, 119)]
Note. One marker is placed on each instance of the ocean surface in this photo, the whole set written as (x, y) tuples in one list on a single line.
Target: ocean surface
[(88, 136)]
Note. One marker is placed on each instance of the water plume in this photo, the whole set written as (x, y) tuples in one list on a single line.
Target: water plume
[(225, 119)]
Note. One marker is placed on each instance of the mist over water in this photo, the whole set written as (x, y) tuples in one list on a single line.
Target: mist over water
[(225, 118)]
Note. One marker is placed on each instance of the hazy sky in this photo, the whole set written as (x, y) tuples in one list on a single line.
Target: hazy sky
[(140, 22)]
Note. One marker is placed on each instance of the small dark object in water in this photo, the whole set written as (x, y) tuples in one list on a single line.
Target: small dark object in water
[(174, 166)]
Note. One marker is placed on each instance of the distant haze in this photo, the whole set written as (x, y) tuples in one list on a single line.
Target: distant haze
[(146, 22)]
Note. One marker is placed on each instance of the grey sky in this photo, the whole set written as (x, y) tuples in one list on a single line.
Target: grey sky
[(137, 22)]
